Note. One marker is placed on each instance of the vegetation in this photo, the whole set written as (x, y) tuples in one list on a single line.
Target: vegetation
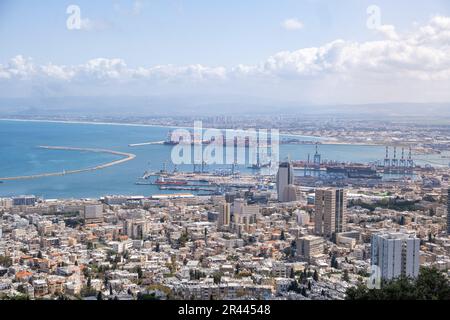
[(5, 261), (394, 204), (431, 284), (147, 296)]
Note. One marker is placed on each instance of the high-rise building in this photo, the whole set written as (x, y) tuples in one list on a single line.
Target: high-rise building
[(292, 193), (309, 246), (448, 211), (24, 201), (243, 215), (302, 217), (330, 207), (93, 213), (224, 217), (136, 228), (285, 177), (396, 254)]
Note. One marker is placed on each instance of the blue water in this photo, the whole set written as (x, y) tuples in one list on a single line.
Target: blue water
[(20, 155)]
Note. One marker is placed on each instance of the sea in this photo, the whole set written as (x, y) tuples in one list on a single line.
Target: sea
[(20, 155)]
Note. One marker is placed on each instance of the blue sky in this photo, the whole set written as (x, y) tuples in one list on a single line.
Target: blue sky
[(213, 34), (195, 31)]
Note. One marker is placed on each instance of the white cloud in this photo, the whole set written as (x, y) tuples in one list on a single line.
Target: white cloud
[(388, 31), (393, 68), (292, 24)]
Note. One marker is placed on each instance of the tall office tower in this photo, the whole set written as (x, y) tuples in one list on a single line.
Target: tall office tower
[(396, 254), (285, 177), (331, 207), (224, 218), (448, 211)]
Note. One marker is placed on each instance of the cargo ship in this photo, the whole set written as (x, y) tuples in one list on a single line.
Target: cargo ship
[(164, 182), (235, 141), (355, 171)]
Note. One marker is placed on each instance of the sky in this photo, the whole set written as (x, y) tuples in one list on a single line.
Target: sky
[(305, 51)]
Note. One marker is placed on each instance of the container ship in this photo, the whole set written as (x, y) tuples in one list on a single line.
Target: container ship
[(245, 142), (354, 171)]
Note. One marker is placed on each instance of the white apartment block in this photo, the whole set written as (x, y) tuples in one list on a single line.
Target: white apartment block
[(396, 254)]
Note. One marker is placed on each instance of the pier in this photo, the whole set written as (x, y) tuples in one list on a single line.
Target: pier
[(146, 143), (127, 157)]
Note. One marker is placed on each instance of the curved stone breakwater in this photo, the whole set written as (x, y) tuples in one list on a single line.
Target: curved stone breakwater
[(127, 157)]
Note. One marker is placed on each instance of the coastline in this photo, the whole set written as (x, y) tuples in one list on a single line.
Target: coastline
[(322, 140)]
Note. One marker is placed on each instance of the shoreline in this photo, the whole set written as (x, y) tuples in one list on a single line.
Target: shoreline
[(321, 140)]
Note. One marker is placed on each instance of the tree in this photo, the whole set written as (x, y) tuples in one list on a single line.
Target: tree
[(293, 248), (294, 286), (5, 261), (139, 272), (431, 284), (316, 276), (334, 263), (157, 247), (303, 292), (430, 238), (39, 255), (282, 236), (217, 277), (345, 276), (237, 268), (292, 275), (99, 296)]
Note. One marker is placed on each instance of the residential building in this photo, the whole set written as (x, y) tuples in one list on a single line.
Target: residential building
[(396, 254)]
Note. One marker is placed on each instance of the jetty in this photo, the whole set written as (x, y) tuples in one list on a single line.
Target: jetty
[(126, 157), (146, 143)]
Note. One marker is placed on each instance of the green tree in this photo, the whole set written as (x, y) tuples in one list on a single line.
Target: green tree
[(217, 277), (431, 284), (5, 261), (139, 272), (345, 276), (316, 276)]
